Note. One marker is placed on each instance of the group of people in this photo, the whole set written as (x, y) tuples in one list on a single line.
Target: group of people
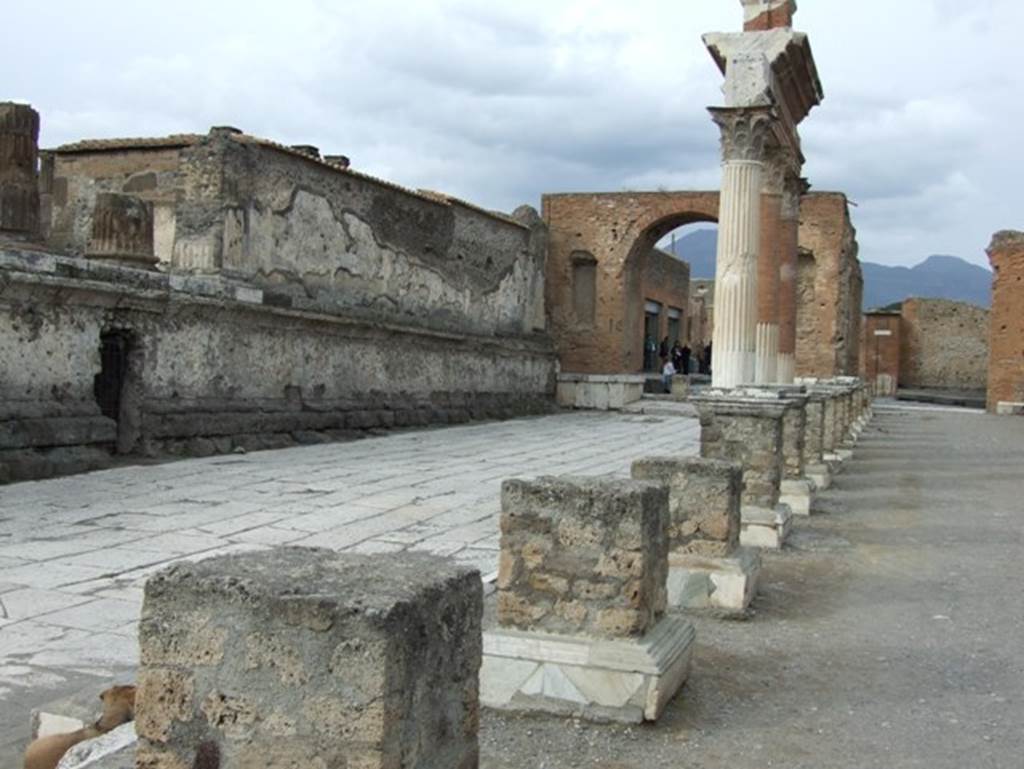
[(680, 359)]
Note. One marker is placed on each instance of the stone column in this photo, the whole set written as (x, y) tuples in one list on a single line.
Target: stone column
[(789, 239), (707, 569), (749, 430), (744, 134), (19, 157), (581, 602), (307, 657), (766, 343)]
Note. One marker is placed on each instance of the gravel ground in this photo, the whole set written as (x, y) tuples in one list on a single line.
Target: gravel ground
[(888, 634)]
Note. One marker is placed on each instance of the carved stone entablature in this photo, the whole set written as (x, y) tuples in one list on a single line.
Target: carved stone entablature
[(780, 163), (745, 131), (793, 188)]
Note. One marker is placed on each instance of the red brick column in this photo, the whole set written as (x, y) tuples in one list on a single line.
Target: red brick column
[(789, 240), (1006, 340)]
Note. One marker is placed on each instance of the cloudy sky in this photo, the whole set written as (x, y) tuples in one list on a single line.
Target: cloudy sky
[(500, 102)]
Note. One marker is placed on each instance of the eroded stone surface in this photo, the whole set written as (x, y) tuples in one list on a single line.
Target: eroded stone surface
[(704, 502), (312, 656), (582, 555)]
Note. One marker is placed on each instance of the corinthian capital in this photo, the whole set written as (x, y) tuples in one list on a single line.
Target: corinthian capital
[(780, 162), (745, 131), (793, 188)]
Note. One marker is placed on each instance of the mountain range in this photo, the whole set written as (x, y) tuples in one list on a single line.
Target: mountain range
[(937, 277)]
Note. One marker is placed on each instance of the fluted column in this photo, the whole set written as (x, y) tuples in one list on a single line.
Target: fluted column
[(19, 188), (766, 346), (744, 133), (789, 239)]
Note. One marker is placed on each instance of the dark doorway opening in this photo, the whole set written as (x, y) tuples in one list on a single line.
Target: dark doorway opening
[(108, 385), (652, 336)]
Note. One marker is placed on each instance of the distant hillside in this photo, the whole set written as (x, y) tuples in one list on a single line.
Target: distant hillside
[(698, 248), (937, 277)]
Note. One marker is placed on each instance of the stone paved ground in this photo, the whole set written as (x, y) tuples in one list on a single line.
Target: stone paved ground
[(888, 635), (75, 552)]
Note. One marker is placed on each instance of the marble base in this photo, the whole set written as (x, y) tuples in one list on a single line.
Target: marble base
[(819, 475), (764, 528), (701, 582), (798, 494), (626, 680), (599, 392)]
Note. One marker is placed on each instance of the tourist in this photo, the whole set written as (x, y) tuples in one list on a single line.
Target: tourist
[(684, 354), (667, 372), (677, 357)]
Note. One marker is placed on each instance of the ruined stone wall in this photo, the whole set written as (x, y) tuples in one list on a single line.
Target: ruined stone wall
[(73, 178), (943, 344), (213, 367), (1006, 345), (312, 235), (829, 288), (603, 238)]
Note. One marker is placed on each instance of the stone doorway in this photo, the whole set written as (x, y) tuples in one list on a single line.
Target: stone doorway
[(115, 386)]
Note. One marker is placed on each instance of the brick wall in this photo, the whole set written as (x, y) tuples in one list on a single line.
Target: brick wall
[(880, 352), (614, 232), (1006, 340), (943, 344), (829, 288)]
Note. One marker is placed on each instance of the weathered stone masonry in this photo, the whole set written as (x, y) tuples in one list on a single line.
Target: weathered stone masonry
[(300, 657), (295, 301)]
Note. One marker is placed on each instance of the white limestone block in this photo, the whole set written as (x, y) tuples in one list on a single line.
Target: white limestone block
[(628, 679)]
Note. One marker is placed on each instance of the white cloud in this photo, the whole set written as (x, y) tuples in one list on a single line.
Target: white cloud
[(499, 103)]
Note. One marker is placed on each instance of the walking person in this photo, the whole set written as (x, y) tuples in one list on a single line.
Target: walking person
[(667, 372)]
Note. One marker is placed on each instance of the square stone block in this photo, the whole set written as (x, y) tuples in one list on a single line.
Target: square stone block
[(798, 495), (582, 556), (622, 679), (703, 502), (307, 657), (820, 475), (766, 528), (721, 584), (749, 431)]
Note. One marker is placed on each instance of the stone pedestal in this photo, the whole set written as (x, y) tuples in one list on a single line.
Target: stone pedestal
[(306, 657), (749, 430), (680, 387), (19, 157), (744, 132), (707, 567), (581, 601), (599, 392), (122, 231)]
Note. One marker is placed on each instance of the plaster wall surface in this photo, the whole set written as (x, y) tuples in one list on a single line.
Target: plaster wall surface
[(209, 371), (312, 235)]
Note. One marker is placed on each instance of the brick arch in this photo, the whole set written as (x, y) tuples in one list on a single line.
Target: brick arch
[(616, 230)]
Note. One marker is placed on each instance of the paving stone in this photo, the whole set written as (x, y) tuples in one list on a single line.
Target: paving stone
[(103, 534)]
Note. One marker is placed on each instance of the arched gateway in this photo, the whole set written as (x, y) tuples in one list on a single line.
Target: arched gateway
[(600, 259)]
